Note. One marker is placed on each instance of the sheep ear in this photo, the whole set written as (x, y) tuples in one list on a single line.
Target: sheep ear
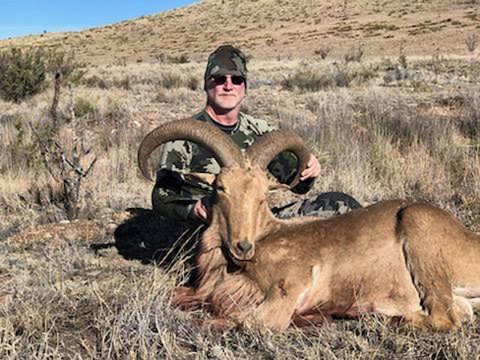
[(205, 178), (274, 185)]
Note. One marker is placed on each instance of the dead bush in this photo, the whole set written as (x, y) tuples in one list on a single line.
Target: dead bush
[(471, 42), (354, 54)]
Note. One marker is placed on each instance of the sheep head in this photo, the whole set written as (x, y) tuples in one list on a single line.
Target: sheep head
[(240, 209)]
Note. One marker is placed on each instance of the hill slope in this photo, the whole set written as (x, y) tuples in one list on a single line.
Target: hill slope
[(277, 28)]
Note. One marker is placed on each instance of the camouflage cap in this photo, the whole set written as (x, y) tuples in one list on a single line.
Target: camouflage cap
[(226, 60)]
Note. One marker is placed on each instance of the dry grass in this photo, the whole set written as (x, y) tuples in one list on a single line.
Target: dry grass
[(414, 137), (60, 301)]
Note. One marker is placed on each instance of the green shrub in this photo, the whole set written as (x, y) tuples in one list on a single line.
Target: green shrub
[(337, 75), (83, 107), (124, 82), (115, 111), (322, 52), (193, 83), (359, 74), (354, 54), (306, 80), (171, 80), (22, 73), (64, 64), (182, 59), (95, 81)]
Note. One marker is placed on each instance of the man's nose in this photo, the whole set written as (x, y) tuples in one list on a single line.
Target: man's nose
[(228, 85)]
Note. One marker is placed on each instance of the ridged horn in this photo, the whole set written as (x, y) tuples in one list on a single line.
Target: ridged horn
[(269, 145), (206, 135)]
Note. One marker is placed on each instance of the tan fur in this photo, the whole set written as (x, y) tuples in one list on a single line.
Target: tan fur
[(394, 258), (211, 270)]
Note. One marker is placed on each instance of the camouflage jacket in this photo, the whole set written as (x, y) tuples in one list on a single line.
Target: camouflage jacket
[(174, 195)]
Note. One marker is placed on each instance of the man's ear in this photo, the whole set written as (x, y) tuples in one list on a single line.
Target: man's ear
[(274, 185), (205, 178)]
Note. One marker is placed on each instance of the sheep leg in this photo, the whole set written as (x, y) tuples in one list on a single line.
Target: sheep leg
[(474, 303), (275, 313), (311, 319), (443, 318), (442, 310), (471, 293), (184, 297), (465, 308), (220, 324)]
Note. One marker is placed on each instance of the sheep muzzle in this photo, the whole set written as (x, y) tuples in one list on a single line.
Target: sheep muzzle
[(242, 250)]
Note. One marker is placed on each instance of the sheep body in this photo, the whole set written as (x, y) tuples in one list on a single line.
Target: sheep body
[(393, 258)]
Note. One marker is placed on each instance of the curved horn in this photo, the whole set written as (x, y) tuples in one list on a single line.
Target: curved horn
[(269, 145), (224, 149)]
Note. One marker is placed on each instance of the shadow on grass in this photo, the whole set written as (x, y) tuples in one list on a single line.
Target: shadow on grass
[(149, 238)]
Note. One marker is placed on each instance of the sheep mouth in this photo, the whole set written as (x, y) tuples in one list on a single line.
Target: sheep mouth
[(240, 261), (242, 264), (241, 256)]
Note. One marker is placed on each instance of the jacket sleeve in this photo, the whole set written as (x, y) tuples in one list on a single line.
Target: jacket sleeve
[(284, 166), (174, 195)]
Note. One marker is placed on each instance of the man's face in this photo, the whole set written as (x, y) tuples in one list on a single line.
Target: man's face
[(225, 92)]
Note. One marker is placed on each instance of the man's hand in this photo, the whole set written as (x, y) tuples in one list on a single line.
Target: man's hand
[(201, 210), (312, 170)]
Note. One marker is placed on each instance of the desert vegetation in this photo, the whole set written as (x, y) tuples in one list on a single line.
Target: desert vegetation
[(383, 127)]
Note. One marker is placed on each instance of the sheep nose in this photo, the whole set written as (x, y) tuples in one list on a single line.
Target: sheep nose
[(244, 246)]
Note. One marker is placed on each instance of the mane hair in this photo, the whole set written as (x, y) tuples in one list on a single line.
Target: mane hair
[(211, 269), (226, 293), (238, 295)]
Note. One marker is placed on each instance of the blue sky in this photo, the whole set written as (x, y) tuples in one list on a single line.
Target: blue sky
[(24, 17)]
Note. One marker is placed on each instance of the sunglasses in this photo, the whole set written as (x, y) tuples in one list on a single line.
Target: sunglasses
[(221, 79)]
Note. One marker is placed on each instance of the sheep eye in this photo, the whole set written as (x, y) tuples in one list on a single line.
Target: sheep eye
[(220, 188)]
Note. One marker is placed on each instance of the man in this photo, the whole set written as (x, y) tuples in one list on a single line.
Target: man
[(179, 198)]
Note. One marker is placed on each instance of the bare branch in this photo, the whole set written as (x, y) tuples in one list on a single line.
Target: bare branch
[(91, 166)]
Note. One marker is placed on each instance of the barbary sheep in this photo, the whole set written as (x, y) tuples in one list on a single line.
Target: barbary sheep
[(404, 260)]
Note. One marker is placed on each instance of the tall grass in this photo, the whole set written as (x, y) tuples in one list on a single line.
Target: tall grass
[(389, 147)]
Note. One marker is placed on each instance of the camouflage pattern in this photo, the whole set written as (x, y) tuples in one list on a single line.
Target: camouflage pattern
[(226, 60), (174, 195), (325, 205)]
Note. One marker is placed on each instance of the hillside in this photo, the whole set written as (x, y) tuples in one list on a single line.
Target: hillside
[(277, 29)]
